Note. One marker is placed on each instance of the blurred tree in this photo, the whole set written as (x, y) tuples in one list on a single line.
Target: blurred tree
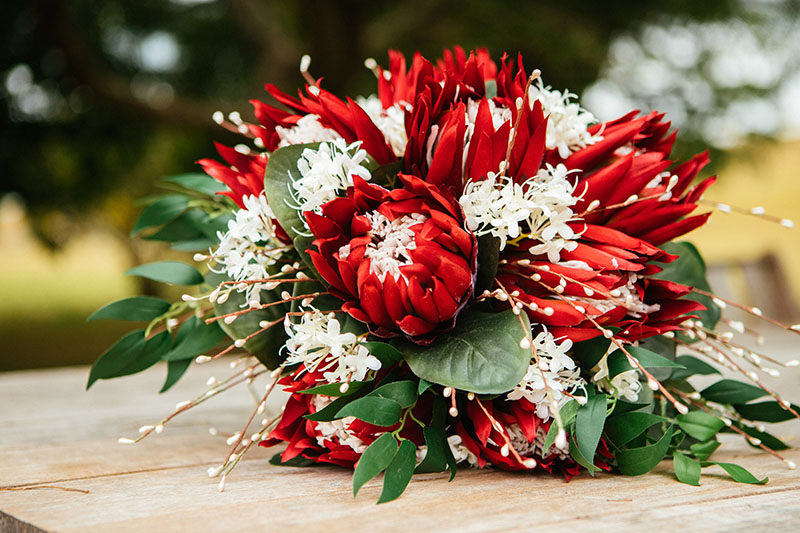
[(99, 99)]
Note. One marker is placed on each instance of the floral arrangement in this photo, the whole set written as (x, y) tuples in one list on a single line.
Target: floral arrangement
[(466, 268)]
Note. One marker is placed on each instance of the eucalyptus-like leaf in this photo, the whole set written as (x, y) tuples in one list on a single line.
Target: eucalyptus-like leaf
[(172, 272), (398, 473), (373, 410), (374, 460), (732, 392), (687, 470), (589, 425), (135, 309)]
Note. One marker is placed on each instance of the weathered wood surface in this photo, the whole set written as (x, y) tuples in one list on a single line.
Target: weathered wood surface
[(53, 434)]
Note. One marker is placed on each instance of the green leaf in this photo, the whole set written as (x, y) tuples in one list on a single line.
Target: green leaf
[(175, 371), (172, 272), (298, 460), (194, 338), (399, 472), (403, 392), (690, 269), (333, 389), (626, 407), (129, 355), (388, 354), (488, 256), (568, 412), (618, 362), (765, 411), (664, 347), (373, 410), (767, 439), (738, 473), (186, 227), (687, 470), (589, 353), (160, 212), (267, 345), (435, 459), (280, 171), (136, 309), (703, 450), (201, 183), (374, 460), (578, 457), (692, 366), (589, 425), (482, 354), (700, 425), (623, 428), (732, 392), (638, 461), (423, 386)]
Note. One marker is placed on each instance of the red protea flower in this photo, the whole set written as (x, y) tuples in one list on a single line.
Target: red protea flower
[(400, 259)]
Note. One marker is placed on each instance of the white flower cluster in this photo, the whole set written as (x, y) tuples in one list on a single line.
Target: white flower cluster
[(391, 242), (568, 122), (539, 209), (248, 247), (308, 129), (318, 343), (326, 173), (552, 377), (626, 295), (625, 385), (391, 122)]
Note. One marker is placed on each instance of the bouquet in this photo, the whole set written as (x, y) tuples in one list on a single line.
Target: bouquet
[(467, 268)]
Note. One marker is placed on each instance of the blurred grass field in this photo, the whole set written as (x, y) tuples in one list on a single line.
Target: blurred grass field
[(46, 296)]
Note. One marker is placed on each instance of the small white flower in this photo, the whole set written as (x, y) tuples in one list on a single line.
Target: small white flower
[(625, 385), (248, 247), (551, 374), (568, 122), (307, 130), (391, 121), (391, 243), (326, 173), (317, 342)]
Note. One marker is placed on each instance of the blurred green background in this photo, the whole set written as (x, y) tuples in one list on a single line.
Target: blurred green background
[(100, 99)]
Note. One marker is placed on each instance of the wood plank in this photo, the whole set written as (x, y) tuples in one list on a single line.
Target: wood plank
[(55, 434)]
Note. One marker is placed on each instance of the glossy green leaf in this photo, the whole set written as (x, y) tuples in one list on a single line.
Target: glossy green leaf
[(664, 347), (687, 470), (160, 212), (403, 392), (690, 269), (482, 354), (692, 367), (129, 355), (767, 439), (175, 371), (398, 473), (280, 172), (623, 428), (738, 473), (201, 183), (700, 425), (373, 410), (194, 338), (136, 309), (172, 272), (578, 457), (618, 362), (435, 459), (732, 392), (334, 389), (703, 450), (765, 411), (567, 413), (374, 460), (638, 461), (589, 425), (423, 386)]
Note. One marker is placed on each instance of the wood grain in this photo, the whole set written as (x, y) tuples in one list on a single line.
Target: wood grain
[(58, 443)]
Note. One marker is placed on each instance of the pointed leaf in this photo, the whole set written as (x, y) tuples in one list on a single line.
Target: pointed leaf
[(687, 470), (739, 474), (703, 450), (732, 392), (618, 362), (398, 473), (692, 367), (623, 428), (194, 338), (374, 460), (172, 272), (638, 461), (765, 411), (700, 425), (403, 392), (136, 309), (373, 410), (589, 425), (160, 212), (175, 371)]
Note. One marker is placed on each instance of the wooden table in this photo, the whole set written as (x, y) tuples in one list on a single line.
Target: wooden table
[(63, 470)]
